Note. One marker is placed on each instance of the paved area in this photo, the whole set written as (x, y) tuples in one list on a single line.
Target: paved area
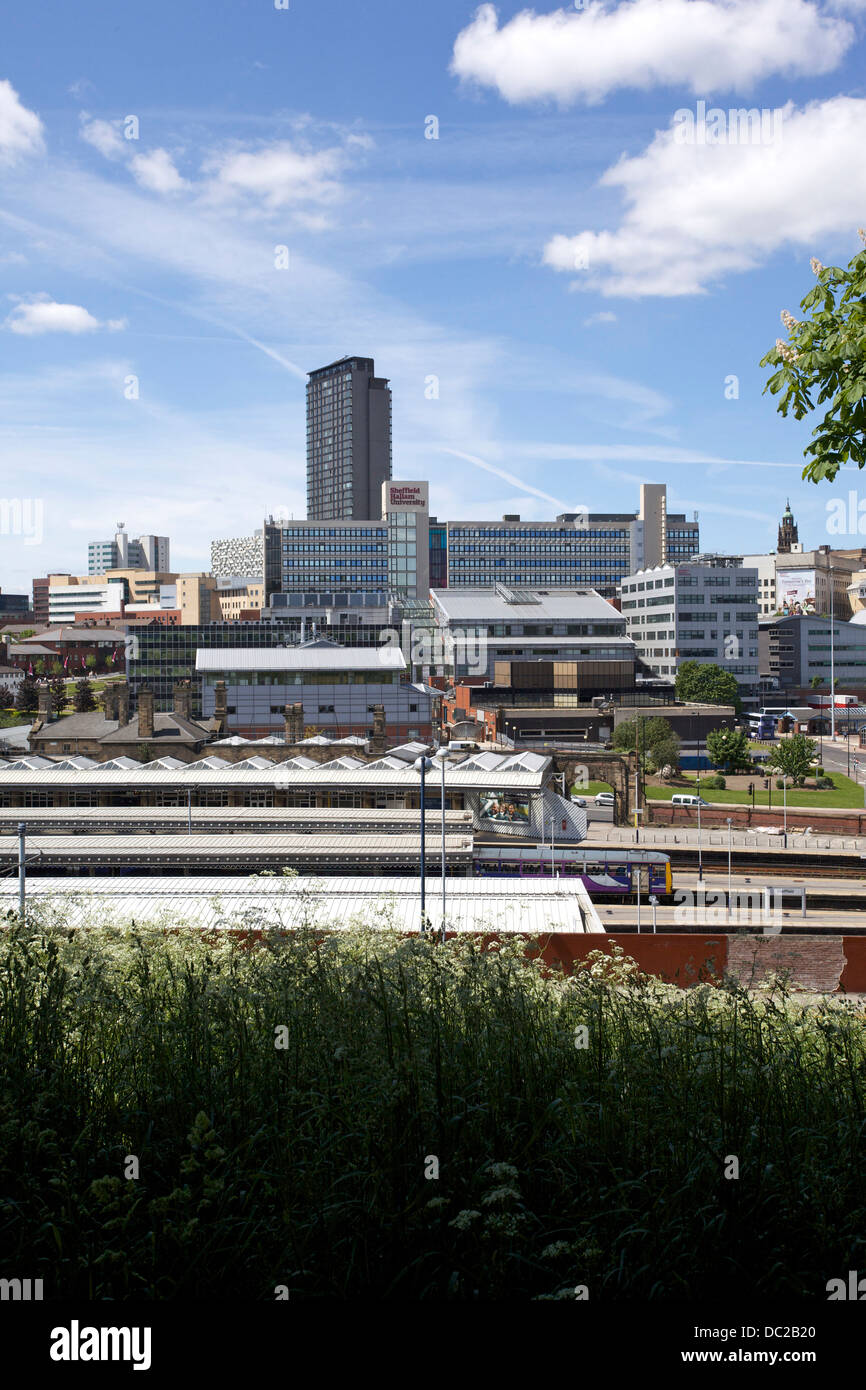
[(766, 837)]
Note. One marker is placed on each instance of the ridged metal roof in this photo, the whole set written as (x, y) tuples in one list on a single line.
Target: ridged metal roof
[(501, 904)]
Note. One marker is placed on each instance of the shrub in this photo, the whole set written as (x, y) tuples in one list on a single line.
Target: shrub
[(825, 783), (303, 1163)]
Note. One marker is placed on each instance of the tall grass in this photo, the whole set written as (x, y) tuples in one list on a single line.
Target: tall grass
[(304, 1166)]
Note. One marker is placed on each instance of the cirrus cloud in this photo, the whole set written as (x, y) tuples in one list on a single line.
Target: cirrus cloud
[(703, 45)]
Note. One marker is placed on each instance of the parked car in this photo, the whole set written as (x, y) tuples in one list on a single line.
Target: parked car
[(605, 799), (577, 800), (682, 799)]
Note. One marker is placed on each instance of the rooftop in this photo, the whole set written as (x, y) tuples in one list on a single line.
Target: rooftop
[(528, 605), (488, 904), (311, 656)]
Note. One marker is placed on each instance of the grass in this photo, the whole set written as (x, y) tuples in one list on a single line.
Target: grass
[(591, 789), (309, 1165), (846, 794)]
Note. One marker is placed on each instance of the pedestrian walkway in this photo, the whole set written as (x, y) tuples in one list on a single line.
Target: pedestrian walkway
[(668, 836)]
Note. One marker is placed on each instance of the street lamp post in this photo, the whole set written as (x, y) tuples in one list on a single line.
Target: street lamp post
[(832, 662), (700, 856), (441, 756), (654, 902), (785, 810), (422, 767), (22, 832), (730, 846)]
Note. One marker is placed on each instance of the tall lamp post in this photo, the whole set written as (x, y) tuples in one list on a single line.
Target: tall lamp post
[(832, 661), (785, 811), (730, 846), (422, 767), (443, 755)]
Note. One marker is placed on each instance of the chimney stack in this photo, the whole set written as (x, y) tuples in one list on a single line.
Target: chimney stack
[(182, 695), (145, 712), (109, 702), (45, 712), (220, 710), (378, 743), (289, 723), (121, 703), (299, 721)]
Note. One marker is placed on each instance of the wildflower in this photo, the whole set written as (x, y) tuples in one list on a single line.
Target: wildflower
[(463, 1220), (789, 321), (500, 1194), (552, 1252), (501, 1170)]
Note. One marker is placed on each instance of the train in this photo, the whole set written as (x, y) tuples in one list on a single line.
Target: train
[(603, 871)]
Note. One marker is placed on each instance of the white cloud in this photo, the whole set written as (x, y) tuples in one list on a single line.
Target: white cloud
[(605, 316), (279, 174), (103, 135), (704, 45), (156, 171), (20, 129), (43, 315), (696, 212)]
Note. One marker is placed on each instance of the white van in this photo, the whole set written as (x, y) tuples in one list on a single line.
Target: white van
[(682, 799)]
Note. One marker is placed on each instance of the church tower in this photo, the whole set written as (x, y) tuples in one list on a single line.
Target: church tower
[(788, 534)]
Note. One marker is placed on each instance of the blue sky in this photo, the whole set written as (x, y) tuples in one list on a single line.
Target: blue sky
[(581, 282)]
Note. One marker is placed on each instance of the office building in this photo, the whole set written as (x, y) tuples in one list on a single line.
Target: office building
[(574, 551), (483, 632), (795, 651), (127, 552), (594, 550), (392, 554), (348, 441), (15, 608), (339, 686), (705, 610)]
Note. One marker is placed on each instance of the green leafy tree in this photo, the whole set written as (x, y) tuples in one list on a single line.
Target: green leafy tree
[(729, 748), (707, 685), (28, 695), (655, 738), (793, 756), (825, 361), (816, 681), (90, 662), (7, 697), (58, 694), (39, 668), (84, 699)]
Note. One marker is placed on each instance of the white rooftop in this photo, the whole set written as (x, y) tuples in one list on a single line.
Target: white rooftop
[(488, 904), (530, 605), (309, 658)]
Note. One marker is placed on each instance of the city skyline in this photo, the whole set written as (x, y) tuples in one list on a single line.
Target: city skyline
[(181, 245)]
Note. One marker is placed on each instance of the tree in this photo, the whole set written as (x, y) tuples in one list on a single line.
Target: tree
[(655, 738), (816, 681), (729, 748), (28, 696), (793, 756), (90, 662), (707, 685), (84, 699), (40, 667), (58, 694), (826, 354), (7, 697)]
